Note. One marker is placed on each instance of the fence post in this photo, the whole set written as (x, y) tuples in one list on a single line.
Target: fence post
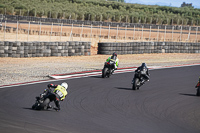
[(172, 32), (189, 33), (117, 33), (28, 31), (165, 33), (134, 33), (81, 32), (17, 31), (71, 32), (100, 33), (142, 33), (91, 33), (150, 33), (5, 31), (51, 31), (158, 33), (40, 30), (109, 33), (125, 33), (196, 35), (181, 32), (61, 32)]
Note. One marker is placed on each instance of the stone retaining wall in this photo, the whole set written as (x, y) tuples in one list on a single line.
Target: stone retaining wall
[(148, 47), (44, 49)]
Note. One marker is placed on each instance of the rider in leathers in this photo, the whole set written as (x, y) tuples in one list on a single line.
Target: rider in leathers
[(58, 94), (114, 57), (198, 84), (144, 72), (198, 87)]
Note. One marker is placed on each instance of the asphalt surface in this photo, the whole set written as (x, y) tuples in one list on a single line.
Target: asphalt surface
[(165, 104)]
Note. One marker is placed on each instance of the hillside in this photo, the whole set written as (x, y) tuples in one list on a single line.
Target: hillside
[(102, 10)]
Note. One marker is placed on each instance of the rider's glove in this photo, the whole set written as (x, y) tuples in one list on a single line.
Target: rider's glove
[(41, 95), (62, 100)]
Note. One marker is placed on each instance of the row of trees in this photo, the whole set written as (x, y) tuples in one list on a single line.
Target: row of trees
[(102, 10)]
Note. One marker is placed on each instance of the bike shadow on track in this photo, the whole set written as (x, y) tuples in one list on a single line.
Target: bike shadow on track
[(38, 110), (98, 76), (194, 95), (123, 88)]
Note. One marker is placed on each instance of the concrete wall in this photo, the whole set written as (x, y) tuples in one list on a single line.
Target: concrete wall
[(44, 49), (148, 47)]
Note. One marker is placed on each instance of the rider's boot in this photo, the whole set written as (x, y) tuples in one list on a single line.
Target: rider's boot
[(112, 71), (49, 106)]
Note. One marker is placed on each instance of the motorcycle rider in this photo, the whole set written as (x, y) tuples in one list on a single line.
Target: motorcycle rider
[(114, 57), (58, 94), (198, 87), (144, 72), (198, 84)]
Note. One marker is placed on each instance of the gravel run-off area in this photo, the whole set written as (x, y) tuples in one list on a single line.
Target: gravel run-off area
[(19, 70)]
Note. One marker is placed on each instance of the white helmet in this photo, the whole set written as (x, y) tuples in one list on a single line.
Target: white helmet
[(65, 85)]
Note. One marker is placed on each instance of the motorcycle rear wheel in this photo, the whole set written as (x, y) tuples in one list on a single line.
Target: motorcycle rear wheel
[(34, 106), (198, 92), (134, 86), (46, 103)]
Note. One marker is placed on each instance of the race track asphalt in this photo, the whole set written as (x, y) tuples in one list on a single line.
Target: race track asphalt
[(165, 104)]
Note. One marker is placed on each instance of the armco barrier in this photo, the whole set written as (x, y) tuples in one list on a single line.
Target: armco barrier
[(44, 49), (148, 47)]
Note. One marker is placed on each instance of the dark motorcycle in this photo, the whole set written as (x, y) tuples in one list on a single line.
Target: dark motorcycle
[(108, 68), (41, 103), (198, 89), (137, 80)]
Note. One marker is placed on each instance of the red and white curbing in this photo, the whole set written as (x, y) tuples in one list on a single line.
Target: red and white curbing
[(57, 77), (89, 73), (121, 70)]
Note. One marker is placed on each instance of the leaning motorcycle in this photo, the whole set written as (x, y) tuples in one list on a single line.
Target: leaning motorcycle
[(41, 103), (108, 68), (137, 80), (198, 90)]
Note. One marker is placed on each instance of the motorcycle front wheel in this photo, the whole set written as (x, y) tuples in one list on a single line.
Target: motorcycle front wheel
[(198, 92), (104, 71)]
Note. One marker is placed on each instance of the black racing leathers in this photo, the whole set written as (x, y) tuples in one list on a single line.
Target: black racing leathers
[(52, 96), (144, 71)]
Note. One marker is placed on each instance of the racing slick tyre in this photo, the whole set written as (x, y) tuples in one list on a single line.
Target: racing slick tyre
[(34, 106), (45, 103), (104, 72), (135, 83), (198, 92)]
